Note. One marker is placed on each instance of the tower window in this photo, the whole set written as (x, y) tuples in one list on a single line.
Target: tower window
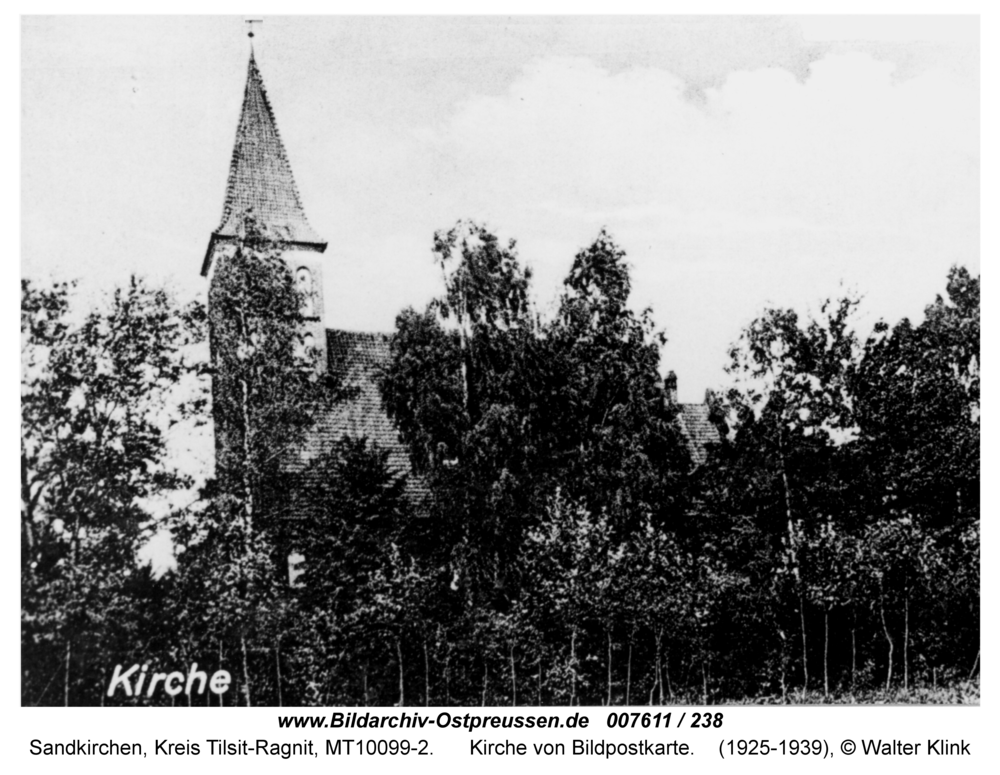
[(295, 569), (304, 282), (305, 349)]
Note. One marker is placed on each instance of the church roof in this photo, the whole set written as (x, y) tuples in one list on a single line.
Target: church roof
[(698, 429), (358, 358), (260, 176)]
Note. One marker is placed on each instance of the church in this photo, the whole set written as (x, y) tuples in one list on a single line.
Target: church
[(261, 180)]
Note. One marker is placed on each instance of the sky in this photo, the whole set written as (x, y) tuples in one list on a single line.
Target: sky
[(741, 162)]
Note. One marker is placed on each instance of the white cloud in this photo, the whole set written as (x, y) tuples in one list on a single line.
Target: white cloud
[(774, 188), (848, 142)]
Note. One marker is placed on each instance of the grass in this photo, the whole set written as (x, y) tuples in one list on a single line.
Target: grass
[(961, 693)]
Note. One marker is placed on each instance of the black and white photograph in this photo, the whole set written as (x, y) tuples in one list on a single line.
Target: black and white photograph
[(449, 361)]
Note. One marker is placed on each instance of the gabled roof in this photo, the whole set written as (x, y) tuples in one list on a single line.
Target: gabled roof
[(698, 429), (260, 176), (358, 359)]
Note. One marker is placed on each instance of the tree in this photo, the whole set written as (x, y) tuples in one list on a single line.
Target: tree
[(352, 541), (850, 476), (566, 558), (459, 387), (501, 409), (266, 389), (615, 440), (830, 576), (390, 607), (486, 294), (793, 414), (918, 403), (655, 593), (98, 399), (266, 392)]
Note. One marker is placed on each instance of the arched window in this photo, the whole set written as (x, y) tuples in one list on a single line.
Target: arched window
[(296, 561), (304, 349), (304, 283)]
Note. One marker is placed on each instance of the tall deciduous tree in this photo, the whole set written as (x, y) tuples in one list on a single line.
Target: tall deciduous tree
[(793, 414), (98, 399), (918, 397), (266, 389), (266, 393), (502, 409), (616, 440), (460, 388)]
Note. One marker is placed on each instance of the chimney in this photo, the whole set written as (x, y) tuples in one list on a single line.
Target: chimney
[(670, 387)]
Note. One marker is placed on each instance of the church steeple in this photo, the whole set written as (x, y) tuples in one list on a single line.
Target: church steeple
[(260, 179), (261, 183)]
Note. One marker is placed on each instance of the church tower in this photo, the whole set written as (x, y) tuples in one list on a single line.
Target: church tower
[(261, 183)]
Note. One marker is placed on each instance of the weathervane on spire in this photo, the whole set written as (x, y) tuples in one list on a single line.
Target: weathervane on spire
[(252, 22)]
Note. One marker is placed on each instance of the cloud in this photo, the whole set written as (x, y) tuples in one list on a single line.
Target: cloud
[(846, 144), (769, 188)]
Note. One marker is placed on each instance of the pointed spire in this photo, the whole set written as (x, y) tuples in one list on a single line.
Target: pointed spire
[(260, 177)]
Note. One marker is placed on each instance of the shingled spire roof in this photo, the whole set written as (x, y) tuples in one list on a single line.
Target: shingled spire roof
[(260, 177)]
